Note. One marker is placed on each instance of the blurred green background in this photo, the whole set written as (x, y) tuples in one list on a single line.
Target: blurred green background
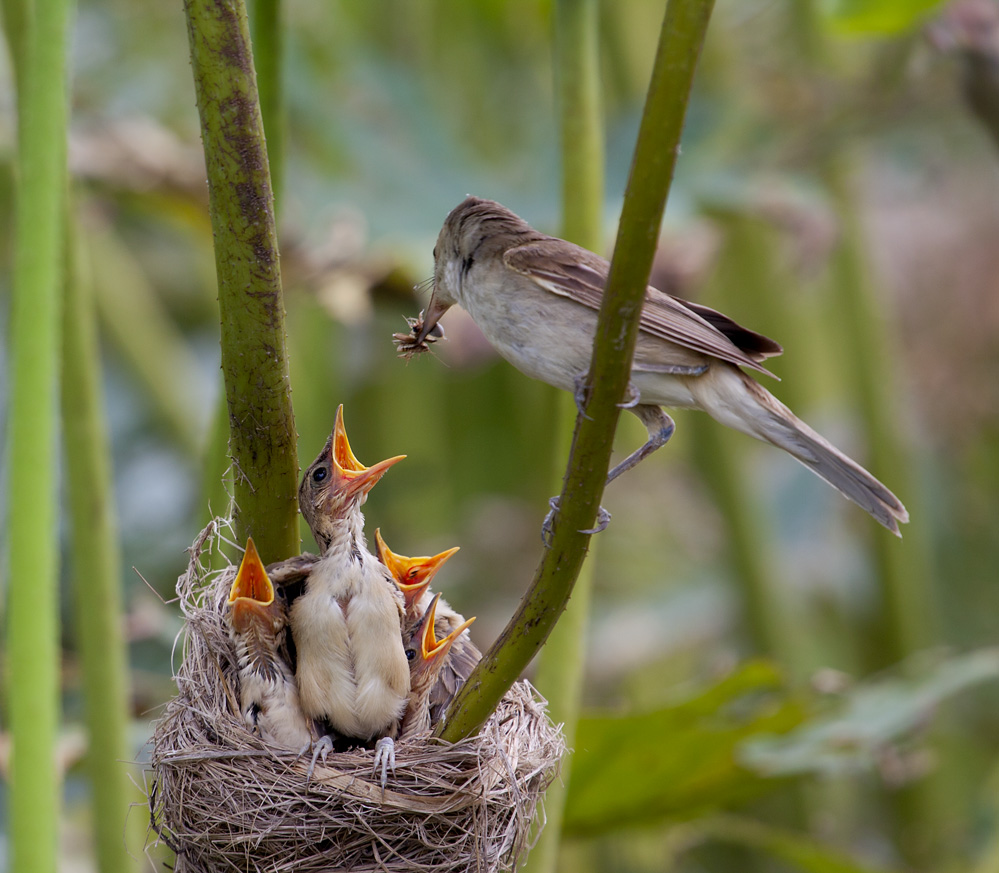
[(771, 680)]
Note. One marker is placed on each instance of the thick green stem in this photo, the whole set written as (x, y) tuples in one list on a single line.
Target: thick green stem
[(33, 614), (254, 359), (96, 574), (268, 52), (561, 662), (682, 35)]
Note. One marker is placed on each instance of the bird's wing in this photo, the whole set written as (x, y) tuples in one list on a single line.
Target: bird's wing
[(581, 277)]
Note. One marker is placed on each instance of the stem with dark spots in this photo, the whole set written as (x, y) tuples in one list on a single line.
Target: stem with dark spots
[(254, 360), (681, 37)]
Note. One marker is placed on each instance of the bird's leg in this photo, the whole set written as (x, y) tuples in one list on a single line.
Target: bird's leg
[(660, 427), (323, 746), (385, 758)]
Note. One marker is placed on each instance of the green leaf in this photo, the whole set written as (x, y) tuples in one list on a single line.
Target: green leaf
[(877, 17), (870, 717), (680, 761)]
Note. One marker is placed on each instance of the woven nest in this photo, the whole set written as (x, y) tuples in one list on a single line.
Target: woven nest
[(224, 800)]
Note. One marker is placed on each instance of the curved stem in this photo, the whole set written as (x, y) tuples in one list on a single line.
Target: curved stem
[(681, 37)]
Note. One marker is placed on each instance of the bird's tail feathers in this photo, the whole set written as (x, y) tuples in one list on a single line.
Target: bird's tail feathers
[(753, 410)]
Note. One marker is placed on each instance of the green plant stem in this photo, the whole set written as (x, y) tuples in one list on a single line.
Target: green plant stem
[(96, 574), (251, 306), (561, 662), (682, 35), (268, 53), (16, 15), (577, 74), (33, 614), (926, 813)]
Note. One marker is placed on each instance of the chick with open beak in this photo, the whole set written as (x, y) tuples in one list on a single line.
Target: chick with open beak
[(413, 577), (268, 695), (427, 657), (352, 671)]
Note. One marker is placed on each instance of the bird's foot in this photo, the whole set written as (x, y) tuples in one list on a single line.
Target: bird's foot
[(384, 758), (323, 746), (633, 399), (603, 519), (581, 394), (547, 527)]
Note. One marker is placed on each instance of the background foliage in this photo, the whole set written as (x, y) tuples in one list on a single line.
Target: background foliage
[(805, 694)]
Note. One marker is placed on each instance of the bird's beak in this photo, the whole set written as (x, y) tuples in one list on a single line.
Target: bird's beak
[(411, 575), (432, 648), (430, 318), (252, 582), (354, 477)]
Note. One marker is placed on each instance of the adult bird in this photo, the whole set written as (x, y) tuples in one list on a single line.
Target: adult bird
[(427, 657), (536, 297), (352, 670), (268, 695), (413, 577)]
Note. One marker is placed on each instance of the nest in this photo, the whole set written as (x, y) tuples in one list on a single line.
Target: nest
[(224, 800)]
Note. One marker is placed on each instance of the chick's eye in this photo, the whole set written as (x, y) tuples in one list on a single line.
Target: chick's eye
[(319, 474), (410, 654)]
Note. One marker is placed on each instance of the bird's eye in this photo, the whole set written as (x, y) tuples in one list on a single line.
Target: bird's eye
[(319, 474), (410, 654)]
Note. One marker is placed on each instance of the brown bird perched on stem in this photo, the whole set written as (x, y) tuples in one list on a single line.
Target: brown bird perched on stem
[(413, 576), (536, 297), (427, 657), (352, 669), (268, 695)]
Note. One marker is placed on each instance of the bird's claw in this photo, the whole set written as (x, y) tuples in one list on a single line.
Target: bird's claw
[(323, 746), (603, 519), (633, 399), (384, 758), (581, 394), (547, 526)]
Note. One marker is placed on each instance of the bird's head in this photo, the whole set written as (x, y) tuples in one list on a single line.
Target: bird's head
[(425, 652), (252, 601), (336, 483), (411, 575), (475, 231)]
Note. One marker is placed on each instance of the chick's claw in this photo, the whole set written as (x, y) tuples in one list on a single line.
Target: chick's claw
[(384, 758), (322, 748)]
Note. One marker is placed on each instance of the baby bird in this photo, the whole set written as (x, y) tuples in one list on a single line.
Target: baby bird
[(347, 624), (413, 577), (268, 696), (427, 657)]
